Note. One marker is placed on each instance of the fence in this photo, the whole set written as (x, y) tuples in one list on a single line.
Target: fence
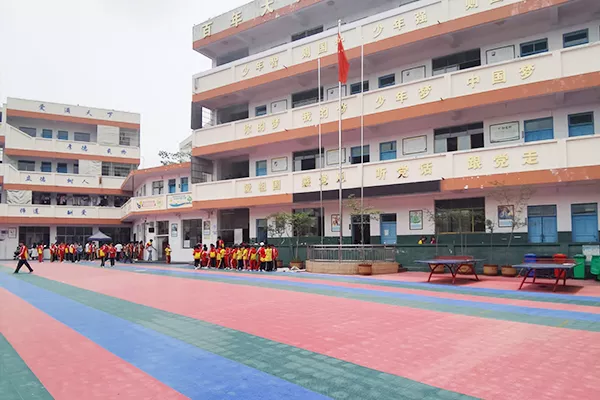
[(337, 253)]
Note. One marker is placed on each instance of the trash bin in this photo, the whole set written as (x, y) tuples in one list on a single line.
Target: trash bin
[(579, 269), (595, 267), (559, 258), (529, 258)]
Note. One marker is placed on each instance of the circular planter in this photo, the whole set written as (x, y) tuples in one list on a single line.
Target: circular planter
[(439, 269), (365, 269), (490, 269), (297, 264), (465, 270), (279, 263), (508, 270)]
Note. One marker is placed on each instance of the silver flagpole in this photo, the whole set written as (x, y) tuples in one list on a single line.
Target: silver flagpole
[(340, 151), (320, 155), (362, 143)]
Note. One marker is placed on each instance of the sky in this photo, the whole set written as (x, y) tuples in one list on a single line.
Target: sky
[(128, 55)]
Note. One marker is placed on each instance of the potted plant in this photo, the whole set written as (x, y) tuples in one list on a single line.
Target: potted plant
[(513, 202), (291, 226), (490, 269), (361, 212)]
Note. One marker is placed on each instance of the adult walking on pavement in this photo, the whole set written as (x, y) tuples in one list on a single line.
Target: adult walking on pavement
[(149, 248), (23, 259)]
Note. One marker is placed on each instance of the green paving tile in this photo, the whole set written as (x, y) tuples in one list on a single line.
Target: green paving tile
[(17, 382), (322, 374)]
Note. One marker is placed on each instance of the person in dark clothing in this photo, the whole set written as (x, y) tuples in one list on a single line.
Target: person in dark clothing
[(23, 259)]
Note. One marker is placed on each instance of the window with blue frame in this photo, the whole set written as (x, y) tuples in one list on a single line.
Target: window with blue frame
[(584, 222), (387, 151), (62, 135), (260, 110), (355, 87), (541, 224), (184, 184), (534, 47), (261, 168), (387, 80), (539, 129), (47, 133), (575, 38), (61, 168), (581, 124), (355, 155), (172, 186), (46, 166)]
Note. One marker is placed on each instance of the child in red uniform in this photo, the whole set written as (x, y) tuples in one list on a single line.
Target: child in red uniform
[(168, 253), (112, 254), (102, 252), (40, 251), (53, 252), (23, 259), (61, 252), (197, 254), (252, 254)]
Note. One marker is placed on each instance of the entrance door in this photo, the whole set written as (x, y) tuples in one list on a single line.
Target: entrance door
[(584, 218), (541, 224), (388, 229), (160, 243), (358, 230), (261, 230)]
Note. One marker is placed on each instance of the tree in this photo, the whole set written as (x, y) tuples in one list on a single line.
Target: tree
[(360, 211), (291, 225), (178, 157)]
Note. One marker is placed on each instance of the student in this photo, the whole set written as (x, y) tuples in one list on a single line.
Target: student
[(22, 259), (119, 248), (102, 254), (168, 253), (40, 252), (79, 252), (252, 256), (220, 256), (423, 240), (245, 257), (212, 254), (53, 252), (262, 256), (269, 258), (205, 261), (73, 251), (149, 249), (275, 257), (220, 243), (197, 254), (432, 241), (112, 254)]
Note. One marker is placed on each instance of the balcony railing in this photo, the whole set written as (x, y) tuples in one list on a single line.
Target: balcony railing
[(13, 176), (65, 213), (172, 201), (559, 64), (521, 157)]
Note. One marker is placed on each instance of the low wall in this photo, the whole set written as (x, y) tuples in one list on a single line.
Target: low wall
[(349, 267)]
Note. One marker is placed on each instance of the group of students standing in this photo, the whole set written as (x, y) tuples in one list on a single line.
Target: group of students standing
[(240, 257)]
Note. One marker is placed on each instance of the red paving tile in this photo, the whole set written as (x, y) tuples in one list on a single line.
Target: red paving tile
[(485, 358), (69, 365)]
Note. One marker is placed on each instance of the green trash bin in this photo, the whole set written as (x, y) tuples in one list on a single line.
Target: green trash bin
[(579, 269), (595, 267)]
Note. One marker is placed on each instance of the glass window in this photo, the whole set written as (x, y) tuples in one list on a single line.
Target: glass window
[(47, 133), (387, 151), (460, 215), (30, 131), (355, 154), (172, 186), (534, 47), (46, 166), (31, 235), (126, 136), (456, 62), (162, 227), (81, 137), (387, 80), (581, 124), (355, 87), (184, 184), (260, 110), (192, 232), (307, 160), (539, 129), (116, 169), (62, 135), (316, 213), (460, 137), (61, 168), (575, 38), (306, 97), (75, 168), (26, 165), (261, 168), (307, 33), (157, 187)]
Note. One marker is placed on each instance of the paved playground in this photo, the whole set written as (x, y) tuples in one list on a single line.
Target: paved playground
[(76, 331)]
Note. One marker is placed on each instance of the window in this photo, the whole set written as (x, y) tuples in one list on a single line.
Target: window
[(355, 155), (76, 168), (355, 87), (81, 137), (575, 38), (47, 133), (261, 168), (541, 224), (260, 110), (456, 62), (116, 169), (184, 184), (31, 235), (61, 168), (460, 215), (461, 137), (172, 186), (62, 135), (534, 47), (26, 165), (307, 33), (157, 187), (46, 166), (40, 198), (581, 124), (387, 150), (120, 200), (262, 230), (30, 131), (584, 218), (162, 227), (387, 80), (315, 229), (539, 129), (307, 160), (126, 136), (82, 200), (118, 234), (306, 97), (192, 232)]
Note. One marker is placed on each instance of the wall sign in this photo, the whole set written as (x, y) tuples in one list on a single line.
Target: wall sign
[(415, 220), (149, 204), (279, 164), (335, 222), (332, 156), (179, 200), (506, 214), (505, 132), (12, 233), (174, 230), (414, 145)]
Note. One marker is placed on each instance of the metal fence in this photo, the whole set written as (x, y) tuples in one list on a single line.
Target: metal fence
[(348, 252)]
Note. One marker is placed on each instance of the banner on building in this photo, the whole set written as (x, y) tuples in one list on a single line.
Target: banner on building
[(150, 203), (179, 200)]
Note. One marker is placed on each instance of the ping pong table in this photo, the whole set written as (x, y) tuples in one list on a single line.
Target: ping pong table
[(453, 264), (534, 267)]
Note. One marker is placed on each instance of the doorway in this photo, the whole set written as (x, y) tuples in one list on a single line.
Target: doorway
[(361, 234), (161, 242), (388, 229)]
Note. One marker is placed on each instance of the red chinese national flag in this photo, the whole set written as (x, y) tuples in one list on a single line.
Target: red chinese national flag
[(343, 65)]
